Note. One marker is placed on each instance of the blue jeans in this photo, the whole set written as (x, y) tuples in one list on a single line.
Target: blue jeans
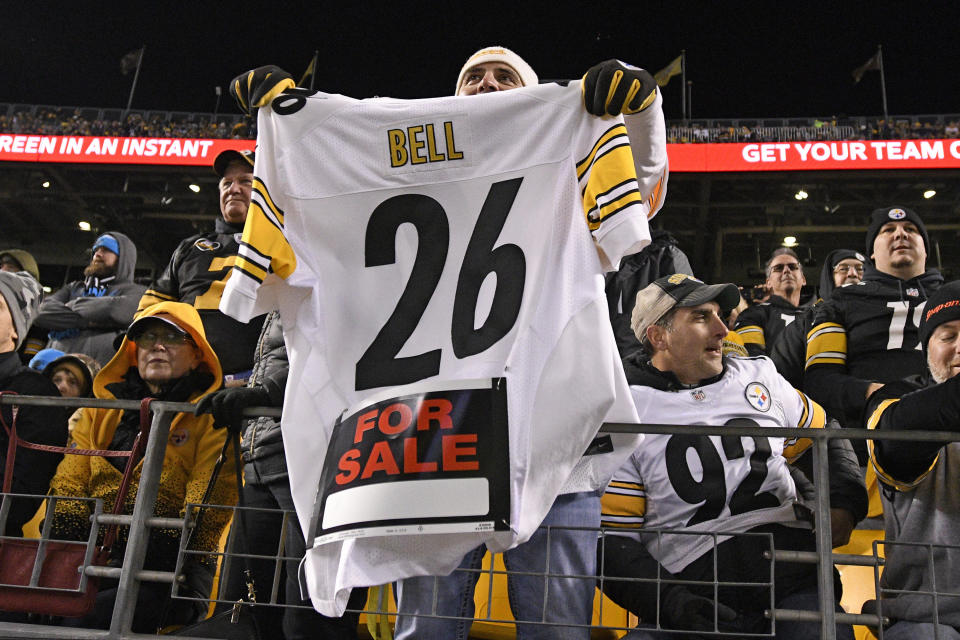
[(266, 486), (553, 549)]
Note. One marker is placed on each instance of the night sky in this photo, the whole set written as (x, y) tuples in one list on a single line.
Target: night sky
[(745, 59)]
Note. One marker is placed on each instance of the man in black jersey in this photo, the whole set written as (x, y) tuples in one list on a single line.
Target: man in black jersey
[(865, 335), (760, 325), (201, 265), (842, 268)]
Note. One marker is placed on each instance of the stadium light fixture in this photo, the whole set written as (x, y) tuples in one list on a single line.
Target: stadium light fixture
[(45, 184), (194, 187), (929, 193), (84, 225), (790, 241), (801, 195), (47, 289)]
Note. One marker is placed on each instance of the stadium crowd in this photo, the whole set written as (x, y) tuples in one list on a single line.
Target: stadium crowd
[(876, 343), (65, 121), (49, 120)]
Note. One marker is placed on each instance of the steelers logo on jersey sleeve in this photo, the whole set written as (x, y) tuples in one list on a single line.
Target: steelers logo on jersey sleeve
[(758, 396)]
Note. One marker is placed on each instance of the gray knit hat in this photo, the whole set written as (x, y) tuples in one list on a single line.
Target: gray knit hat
[(22, 294)]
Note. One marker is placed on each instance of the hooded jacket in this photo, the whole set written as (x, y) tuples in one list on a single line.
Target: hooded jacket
[(36, 338), (193, 447), (864, 333), (790, 351), (85, 316)]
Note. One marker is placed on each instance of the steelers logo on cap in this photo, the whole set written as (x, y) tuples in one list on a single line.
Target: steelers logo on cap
[(897, 214), (758, 396), (859, 256)]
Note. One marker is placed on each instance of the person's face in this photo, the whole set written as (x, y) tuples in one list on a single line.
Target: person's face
[(8, 332), (943, 351), (898, 244), (103, 263), (487, 77), (9, 264), (67, 382), (785, 275), (847, 271), (163, 354), (692, 348), (236, 186)]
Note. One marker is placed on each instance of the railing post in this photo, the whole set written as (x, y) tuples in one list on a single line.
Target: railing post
[(824, 539), (129, 587)]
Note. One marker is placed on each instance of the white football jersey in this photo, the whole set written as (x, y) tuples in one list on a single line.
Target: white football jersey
[(711, 483), (423, 253)]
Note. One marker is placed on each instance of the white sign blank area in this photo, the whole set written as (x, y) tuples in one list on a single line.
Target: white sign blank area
[(408, 499)]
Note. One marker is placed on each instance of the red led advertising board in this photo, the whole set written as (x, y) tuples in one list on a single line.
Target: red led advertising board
[(114, 150), (697, 158), (815, 156)]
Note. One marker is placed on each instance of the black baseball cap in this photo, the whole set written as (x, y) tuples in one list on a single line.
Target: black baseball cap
[(224, 158)]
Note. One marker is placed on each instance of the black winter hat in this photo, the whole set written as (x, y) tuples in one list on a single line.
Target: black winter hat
[(942, 306), (883, 215)]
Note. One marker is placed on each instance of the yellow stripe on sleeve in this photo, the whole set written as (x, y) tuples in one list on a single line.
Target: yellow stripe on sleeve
[(752, 334), (261, 188), (885, 477), (608, 135), (613, 168), (655, 198), (812, 417), (264, 247), (151, 297), (826, 344), (733, 345), (623, 506)]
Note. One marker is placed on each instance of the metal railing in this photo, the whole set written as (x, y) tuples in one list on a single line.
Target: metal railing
[(131, 574)]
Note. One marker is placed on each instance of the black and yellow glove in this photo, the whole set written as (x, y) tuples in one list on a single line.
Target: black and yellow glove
[(613, 87), (256, 88)]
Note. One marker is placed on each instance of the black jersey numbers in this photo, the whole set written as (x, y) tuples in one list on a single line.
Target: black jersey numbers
[(379, 366), (291, 100), (710, 489), (482, 259), (708, 484)]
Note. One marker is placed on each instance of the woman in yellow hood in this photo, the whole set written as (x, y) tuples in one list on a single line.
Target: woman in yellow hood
[(164, 355)]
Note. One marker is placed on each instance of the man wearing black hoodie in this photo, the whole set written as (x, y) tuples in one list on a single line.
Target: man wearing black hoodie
[(841, 268), (201, 264), (866, 335)]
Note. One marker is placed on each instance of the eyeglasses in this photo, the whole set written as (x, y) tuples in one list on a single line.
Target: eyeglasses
[(843, 268), (150, 339), (788, 266)]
